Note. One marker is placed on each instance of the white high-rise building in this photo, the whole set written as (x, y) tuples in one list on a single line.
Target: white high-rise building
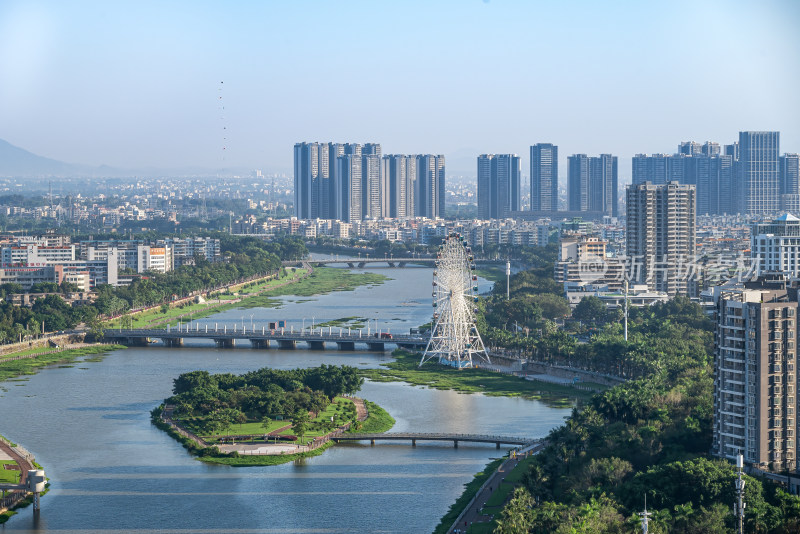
[(775, 246)]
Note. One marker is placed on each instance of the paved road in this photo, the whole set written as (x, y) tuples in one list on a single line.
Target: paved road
[(473, 513)]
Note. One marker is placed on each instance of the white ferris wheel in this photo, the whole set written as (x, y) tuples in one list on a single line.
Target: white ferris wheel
[(454, 335)]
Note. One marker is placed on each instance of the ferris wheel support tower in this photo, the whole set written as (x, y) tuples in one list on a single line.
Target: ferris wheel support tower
[(454, 337)]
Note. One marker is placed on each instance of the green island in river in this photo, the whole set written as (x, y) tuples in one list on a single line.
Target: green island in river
[(268, 416)]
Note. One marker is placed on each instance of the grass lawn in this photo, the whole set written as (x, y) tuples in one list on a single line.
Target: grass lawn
[(499, 497), (406, 368), (378, 419), (341, 407), (493, 273), (27, 352), (252, 427), (9, 476), (516, 474), (482, 528), (29, 366)]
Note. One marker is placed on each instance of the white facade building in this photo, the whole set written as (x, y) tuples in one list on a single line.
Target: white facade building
[(775, 246)]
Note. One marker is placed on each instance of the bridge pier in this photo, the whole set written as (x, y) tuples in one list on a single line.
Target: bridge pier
[(455, 443), (375, 347), (346, 345), (136, 341), (259, 343), (316, 345), (225, 343), (413, 443), (361, 264), (287, 344), (372, 442), (172, 341), (498, 444), (350, 264)]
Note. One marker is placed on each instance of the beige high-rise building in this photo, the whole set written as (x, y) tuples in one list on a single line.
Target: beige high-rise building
[(660, 236), (755, 401)]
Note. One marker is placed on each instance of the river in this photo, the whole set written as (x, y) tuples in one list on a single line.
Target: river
[(111, 471)]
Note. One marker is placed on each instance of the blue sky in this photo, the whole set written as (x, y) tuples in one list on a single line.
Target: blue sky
[(134, 84)]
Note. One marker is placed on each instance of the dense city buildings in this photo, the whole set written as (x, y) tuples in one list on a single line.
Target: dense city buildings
[(350, 182), (755, 397), (660, 236), (592, 184), (712, 174), (744, 177), (498, 185), (90, 263), (544, 177)]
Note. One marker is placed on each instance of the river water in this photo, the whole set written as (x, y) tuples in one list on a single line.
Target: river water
[(111, 471)]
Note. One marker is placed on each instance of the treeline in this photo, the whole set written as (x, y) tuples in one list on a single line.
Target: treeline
[(244, 257), (650, 438), (266, 393), (536, 303)]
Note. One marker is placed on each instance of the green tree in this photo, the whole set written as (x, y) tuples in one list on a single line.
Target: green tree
[(516, 516), (265, 422), (300, 423), (590, 310), (552, 306)]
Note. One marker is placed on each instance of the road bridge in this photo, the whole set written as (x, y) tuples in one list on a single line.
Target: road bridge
[(262, 338), (390, 261), (413, 437)]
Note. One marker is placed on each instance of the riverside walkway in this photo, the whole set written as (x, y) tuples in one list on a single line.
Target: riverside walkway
[(261, 338)]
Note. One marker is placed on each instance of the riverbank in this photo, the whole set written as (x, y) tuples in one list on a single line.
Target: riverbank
[(321, 281), (220, 300), (405, 368)]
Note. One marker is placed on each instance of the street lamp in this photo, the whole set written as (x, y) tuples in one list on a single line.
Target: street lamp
[(304, 324), (251, 321)]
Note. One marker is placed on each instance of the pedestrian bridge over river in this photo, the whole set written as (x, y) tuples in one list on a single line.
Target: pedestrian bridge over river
[(415, 436), (262, 338)]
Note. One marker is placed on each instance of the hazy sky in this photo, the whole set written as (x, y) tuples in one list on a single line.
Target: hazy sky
[(134, 84)]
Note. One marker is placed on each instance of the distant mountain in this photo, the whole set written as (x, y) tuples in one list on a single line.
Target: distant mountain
[(18, 162)]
